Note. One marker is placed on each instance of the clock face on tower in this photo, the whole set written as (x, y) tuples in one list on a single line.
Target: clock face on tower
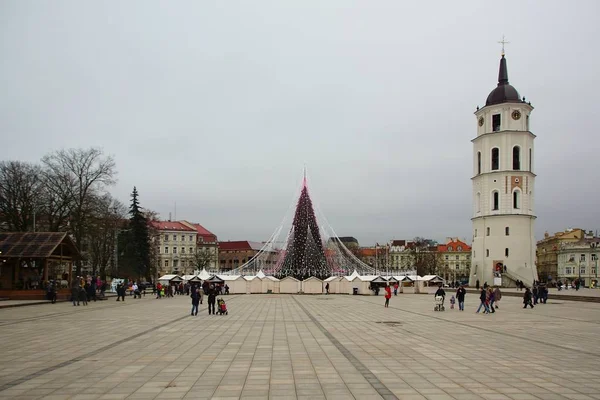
[(516, 115), (480, 121)]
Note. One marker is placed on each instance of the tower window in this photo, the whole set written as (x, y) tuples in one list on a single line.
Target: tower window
[(487, 252), (488, 231), (527, 122), (478, 162), (478, 200), (516, 199), (475, 232), (496, 200), (530, 161), (516, 158), (495, 158), (496, 122), (507, 231), (506, 252)]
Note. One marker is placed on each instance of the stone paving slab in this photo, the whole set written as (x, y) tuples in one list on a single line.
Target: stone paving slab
[(300, 347)]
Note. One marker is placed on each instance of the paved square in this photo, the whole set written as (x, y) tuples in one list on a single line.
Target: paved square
[(300, 347)]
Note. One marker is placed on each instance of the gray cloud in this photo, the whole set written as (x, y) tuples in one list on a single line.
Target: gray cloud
[(218, 105)]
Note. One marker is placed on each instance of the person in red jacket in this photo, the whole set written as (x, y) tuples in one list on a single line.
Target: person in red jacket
[(388, 295)]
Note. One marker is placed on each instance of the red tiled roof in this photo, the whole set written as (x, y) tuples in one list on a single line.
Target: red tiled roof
[(454, 244), (240, 245), (207, 235), (171, 226), (398, 242)]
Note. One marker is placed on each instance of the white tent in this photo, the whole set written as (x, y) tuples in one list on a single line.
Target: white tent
[(270, 283), (289, 284), (203, 274), (237, 284), (169, 279), (312, 285)]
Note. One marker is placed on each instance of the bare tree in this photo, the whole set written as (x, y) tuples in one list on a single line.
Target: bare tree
[(203, 258), (423, 255), (20, 188), (106, 218), (87, 172)]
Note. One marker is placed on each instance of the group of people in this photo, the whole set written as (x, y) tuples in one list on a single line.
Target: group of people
[(83, 290), (198, 293)]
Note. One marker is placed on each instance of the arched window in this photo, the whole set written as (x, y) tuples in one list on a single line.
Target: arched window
[(506, 252), (507, 231), (478, 200), (516, 158), (516, 199), (495, 201), (495, 159), (478, 162)]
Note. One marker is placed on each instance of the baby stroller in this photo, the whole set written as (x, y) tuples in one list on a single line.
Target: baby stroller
[(439, 303), (222, 307)]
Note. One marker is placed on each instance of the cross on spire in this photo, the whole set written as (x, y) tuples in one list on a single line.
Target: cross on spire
[(503, 42)]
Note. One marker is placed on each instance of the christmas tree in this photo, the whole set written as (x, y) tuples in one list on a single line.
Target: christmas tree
[(304, 255)]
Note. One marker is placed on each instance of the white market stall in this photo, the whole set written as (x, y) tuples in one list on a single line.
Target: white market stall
[(270, 283), (312, 285), (237, 284), (334, 284), (254, 284), (289, 284)]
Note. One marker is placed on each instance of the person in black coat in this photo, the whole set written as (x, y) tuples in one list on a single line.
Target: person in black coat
[(195, 295), (527, 298), (460, 297), (212, 298)]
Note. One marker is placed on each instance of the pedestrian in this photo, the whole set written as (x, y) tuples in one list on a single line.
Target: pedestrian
[(158, 290), (440, 292), (51, 292), (75, 294), (120, 292), (491, 298), (195, 300), (327, 288), (212, 297), (388, 295), (497, 295), (82, 296), (527, 298), (136, 291), (227, 289), (535, 292), (396, 289), (483, 301), (452, 301), (460, 296)]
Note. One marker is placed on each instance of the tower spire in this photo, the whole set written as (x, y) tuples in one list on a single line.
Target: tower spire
[(503, 42), (503, 73)]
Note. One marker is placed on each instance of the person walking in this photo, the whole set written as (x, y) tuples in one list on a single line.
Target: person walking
[(121, 292), (497, 295), (327, 288), (75, 294), (396, 289), (460, 297), (491, 298), (388, 295), (527, 298), (483, 301), (195, 300), (212, 298)]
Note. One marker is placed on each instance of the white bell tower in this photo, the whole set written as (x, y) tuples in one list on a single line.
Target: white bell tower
[(503, 189)]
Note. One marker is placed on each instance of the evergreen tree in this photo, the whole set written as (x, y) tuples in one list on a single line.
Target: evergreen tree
[(137, 241)]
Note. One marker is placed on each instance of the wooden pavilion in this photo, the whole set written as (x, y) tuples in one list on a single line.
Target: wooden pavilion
[(26, 259)]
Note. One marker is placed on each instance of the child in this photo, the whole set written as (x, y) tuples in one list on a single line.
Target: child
[(452, 301)]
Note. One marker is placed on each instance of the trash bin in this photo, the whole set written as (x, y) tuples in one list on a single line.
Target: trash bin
[(355, 290)]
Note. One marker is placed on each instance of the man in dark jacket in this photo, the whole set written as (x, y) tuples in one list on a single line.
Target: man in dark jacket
[(527, 298), (195, 300), (212, 298), (460, 297)]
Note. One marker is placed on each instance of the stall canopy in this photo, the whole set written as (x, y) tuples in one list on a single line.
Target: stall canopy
[(171, 278), (195, 279), (214, 279)]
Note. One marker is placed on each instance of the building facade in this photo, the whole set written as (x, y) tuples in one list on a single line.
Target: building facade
[(176, 247), (207, 247), (456, 256), (548, 248), (234, 254), (503, 188), (578, 260), (400, 255)]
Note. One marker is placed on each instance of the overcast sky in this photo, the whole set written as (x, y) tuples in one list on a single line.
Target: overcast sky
[(217, 105)]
